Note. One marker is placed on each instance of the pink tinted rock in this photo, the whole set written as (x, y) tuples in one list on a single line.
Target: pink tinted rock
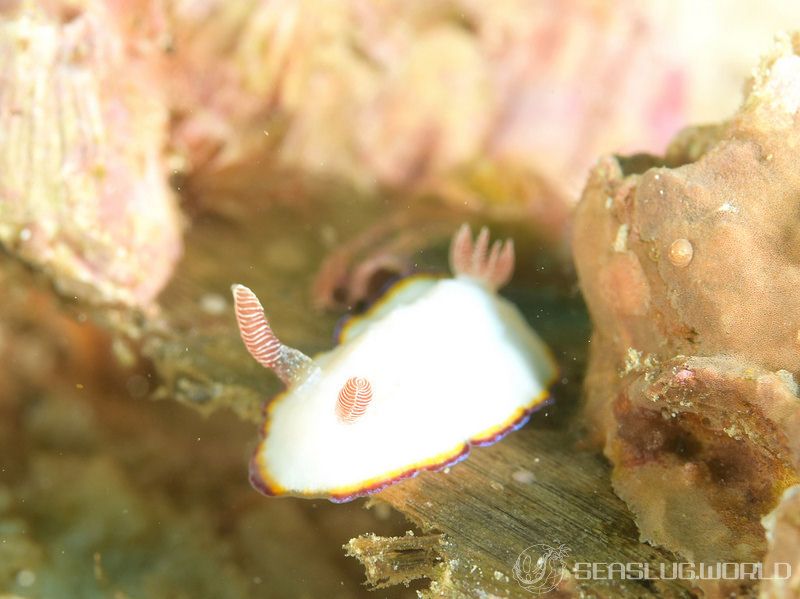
[(83, 192)]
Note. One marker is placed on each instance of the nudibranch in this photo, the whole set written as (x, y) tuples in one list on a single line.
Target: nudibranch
[(436, 366)]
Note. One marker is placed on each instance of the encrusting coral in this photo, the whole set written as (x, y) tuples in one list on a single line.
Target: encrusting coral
[(690, 269)]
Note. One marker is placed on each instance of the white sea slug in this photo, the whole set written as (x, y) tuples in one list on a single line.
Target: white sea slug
[(434, 367)]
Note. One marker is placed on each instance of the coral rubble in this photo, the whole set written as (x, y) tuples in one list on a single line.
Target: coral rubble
[(689, 266)]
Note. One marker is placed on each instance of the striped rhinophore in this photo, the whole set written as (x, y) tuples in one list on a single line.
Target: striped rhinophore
[(354, 398), (256, 333), (288, 363)]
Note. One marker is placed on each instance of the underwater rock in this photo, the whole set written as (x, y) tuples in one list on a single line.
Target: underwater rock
[(689, 268), (83, 193), (704, 435), (783, 534)]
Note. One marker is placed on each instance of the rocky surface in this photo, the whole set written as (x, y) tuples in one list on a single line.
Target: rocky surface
[(689, 267), (83, 188)]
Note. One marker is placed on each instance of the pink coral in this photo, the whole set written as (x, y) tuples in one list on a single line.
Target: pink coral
[(398, 93)]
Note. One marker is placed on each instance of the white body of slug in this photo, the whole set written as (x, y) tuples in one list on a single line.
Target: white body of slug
[(434, 367)]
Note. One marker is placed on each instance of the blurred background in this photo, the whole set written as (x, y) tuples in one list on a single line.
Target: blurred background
[(152, 152)]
